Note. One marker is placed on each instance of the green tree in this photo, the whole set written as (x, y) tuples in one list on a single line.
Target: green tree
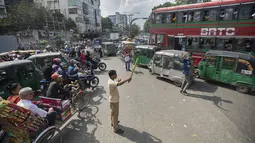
[(70, 24), (146, 26), (107, 23), (135, 30)]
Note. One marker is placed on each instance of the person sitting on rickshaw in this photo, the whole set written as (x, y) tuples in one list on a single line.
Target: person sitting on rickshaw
[(14, 89), (56, 89), (27, 94), (56, 64)]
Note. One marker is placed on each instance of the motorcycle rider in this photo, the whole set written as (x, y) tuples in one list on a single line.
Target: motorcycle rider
[(62, 70), (47, 70), (56, 89), (72, 69), (56, 64)]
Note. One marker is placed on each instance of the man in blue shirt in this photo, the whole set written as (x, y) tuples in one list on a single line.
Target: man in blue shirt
[(186, 71)]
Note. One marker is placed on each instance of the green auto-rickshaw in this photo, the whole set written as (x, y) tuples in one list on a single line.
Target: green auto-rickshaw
[(233, 68), (144, 53), (109, 48), (23, 72), (39, 59)]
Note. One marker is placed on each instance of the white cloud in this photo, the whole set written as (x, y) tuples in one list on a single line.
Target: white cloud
[(142, 6)]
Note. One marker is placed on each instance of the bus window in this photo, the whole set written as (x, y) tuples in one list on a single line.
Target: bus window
[(173, 17), (158, 18), (192, 43), (168, 18), (153, 18), (247, 12), (153, 39), (229, 14), (206, 15), (222, 14), (207, 43), (160, 38), (191, 16), (163, 18), (213, 15), (197, 16), (185, 17), (179, 16)]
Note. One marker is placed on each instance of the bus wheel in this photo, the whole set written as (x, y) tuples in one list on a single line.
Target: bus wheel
[(242, 89), (150, 71)]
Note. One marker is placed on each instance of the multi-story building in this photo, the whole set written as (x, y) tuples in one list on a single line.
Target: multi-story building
[(119, 20), (2, 9), (85, 13)]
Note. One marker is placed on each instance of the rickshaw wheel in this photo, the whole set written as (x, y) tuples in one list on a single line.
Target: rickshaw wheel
[(242, 89), (48, 134)]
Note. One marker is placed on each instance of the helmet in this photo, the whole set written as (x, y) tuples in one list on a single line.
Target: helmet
[(57, 61)]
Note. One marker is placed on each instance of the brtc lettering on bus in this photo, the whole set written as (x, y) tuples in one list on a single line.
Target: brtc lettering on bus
[(217, 31)]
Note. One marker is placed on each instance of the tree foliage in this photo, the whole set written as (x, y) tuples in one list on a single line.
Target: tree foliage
[(24, 15), (146, 26), (135, 30), (107, 23), (166, 4)]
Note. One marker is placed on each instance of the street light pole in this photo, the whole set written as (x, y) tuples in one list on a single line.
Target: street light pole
[(130, 24)]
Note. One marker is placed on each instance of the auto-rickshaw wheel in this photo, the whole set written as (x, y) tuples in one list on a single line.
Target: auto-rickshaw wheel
[(242, 89), (150, 71), (177, 83)]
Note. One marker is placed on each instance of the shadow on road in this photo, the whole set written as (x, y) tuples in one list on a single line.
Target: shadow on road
[(217, 101), (138, 72), (98, 72), (81, 131), (139, 137), (88, 112), (202, 86), (97, 95)]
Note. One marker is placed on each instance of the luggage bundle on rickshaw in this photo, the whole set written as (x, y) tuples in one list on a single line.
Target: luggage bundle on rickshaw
[(19, 122)]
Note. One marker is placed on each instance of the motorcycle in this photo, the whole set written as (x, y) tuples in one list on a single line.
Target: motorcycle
[(96, 63), (89, 79), (86, 79)]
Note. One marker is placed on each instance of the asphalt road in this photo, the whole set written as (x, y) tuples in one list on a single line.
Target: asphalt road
[(153, 111)]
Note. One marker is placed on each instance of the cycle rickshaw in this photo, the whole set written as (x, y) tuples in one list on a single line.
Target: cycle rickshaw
[(22, 126)]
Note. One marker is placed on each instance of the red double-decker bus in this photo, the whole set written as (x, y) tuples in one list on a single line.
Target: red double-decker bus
[(218, 25)]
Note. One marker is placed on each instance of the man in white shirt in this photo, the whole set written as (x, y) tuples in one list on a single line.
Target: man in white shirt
[(114, 99), (27, 94)]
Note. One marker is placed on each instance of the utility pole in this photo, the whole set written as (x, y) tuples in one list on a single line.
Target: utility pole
[(130, 18)]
